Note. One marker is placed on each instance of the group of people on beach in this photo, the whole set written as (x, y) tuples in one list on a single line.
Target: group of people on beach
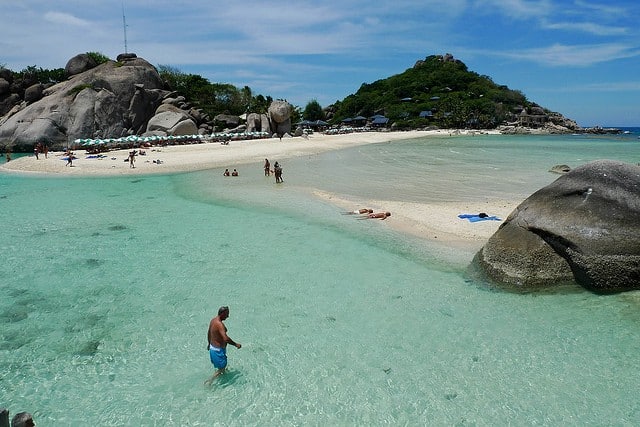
[(277, 170), (41, 148), (368, 214)]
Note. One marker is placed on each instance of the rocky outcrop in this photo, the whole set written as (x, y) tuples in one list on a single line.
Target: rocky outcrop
[(108, 101), (583, 228), (93, 104)]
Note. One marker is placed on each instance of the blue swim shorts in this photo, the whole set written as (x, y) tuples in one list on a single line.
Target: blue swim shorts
[(218, 357)]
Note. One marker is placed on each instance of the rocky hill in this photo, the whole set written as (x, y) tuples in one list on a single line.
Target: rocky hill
[(440, 91)]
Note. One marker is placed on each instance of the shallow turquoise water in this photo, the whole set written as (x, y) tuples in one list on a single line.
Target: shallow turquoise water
[(108, 286)]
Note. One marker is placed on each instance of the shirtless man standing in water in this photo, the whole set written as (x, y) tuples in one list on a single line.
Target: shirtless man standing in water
[(217, 342)]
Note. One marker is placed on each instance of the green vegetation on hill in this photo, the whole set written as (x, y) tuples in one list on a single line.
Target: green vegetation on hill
[(213, 98), (441, 90)]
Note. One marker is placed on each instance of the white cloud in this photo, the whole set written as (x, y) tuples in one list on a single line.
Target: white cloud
[(588, 27), (517, 9), (608, 10), (611, 87), (65, 19), (576, 55)]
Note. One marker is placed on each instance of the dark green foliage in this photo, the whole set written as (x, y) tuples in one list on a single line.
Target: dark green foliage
[(313, 111), (456, 97), (77, 89), (98, 57), (32, 75)]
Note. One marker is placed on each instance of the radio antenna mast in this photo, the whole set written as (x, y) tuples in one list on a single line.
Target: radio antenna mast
[(124, 25)]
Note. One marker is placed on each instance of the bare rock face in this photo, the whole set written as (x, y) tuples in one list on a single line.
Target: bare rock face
[(583, 228)]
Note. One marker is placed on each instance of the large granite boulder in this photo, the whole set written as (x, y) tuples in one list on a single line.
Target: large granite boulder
[(167, 117), (79, 64), (5, 86), (279, 113), (583, 228), (33, 93), (93, 104), (185, 127), (229, 120), (7, 104), (258, 123)]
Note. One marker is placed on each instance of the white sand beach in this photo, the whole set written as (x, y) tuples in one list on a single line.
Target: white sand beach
[(437, 221), (192, 157)]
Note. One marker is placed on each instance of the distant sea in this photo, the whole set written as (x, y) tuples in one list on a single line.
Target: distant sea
[(108, 284)]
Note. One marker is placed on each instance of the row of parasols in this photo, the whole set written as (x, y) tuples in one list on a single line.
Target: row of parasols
[(155, 139)]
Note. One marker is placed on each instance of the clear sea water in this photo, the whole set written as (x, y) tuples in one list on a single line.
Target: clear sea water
[(107, 286)]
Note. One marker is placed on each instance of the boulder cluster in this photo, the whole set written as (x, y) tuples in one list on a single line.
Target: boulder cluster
[(111, 100), (583, 228)]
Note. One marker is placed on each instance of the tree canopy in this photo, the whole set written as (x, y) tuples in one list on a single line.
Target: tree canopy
[(313, 111)]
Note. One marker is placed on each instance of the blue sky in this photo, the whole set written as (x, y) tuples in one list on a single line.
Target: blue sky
[(577, 57)]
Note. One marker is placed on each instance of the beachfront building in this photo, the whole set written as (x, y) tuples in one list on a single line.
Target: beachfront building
[(379, 121)]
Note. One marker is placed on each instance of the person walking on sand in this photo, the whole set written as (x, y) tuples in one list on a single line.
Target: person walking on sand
[(267, 167), (132, 158), (217, 343)]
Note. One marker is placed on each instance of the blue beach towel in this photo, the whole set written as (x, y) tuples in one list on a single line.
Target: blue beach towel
[(477, 217)]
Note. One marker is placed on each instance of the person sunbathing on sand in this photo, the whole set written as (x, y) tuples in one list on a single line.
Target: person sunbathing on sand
[(379, 215), (358, 212)]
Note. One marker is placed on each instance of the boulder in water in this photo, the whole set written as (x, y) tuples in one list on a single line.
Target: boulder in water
[(583, 228)]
